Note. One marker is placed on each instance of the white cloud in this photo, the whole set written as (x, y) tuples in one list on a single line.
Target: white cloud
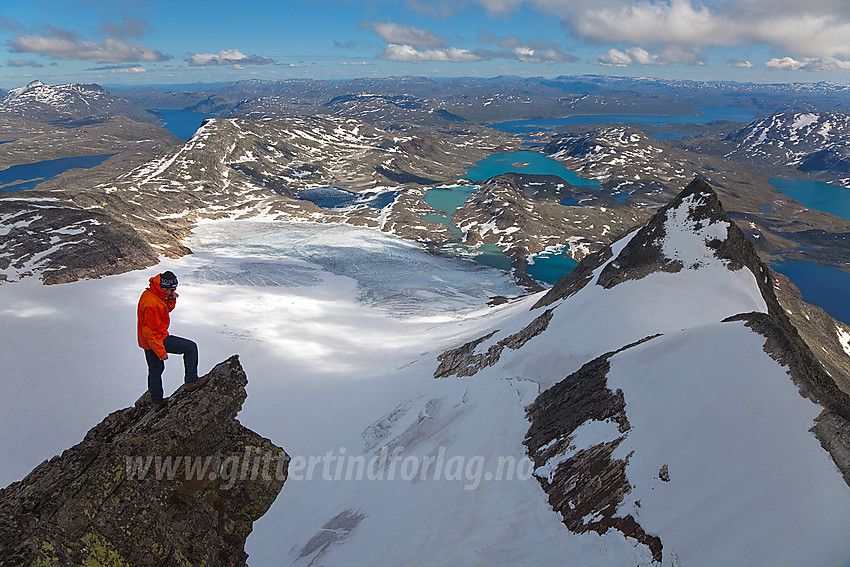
[(650, 22), (227, 57), (815, 28), (739, 63), (405, 35), (808, 64), (407, 53), (67, 46), (640, 56), (530, 52)]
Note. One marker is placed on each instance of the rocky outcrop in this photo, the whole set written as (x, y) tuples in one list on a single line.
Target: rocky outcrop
[(643, 255), (464, 361), (178, 487)]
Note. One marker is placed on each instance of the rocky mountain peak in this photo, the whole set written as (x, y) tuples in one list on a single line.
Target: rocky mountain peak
[(691, 232), (181, 486)]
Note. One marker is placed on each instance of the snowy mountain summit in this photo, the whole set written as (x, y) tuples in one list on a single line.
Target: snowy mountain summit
[(69, 104), (681, 407)]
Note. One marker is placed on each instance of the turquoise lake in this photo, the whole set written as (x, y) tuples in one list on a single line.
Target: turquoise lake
[(525, 161), (27, 176), (181, 123), (548, 268)]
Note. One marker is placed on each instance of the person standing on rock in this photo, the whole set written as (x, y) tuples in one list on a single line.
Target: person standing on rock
[(153, 318)]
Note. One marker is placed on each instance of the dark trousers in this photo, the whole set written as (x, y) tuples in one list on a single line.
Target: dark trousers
[(173, 345)]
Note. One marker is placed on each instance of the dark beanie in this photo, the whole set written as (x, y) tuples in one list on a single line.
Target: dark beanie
[(167, 279)]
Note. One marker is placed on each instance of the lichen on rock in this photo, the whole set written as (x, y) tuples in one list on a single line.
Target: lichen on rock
[(181, 486)]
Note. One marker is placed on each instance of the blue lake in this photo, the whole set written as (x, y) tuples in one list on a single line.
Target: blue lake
[(824, 286), (833, 199), (707, 114), (820, 285), (27, 176), (181, 123)]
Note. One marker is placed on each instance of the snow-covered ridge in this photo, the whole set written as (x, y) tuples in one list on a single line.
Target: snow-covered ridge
[(666, 401)]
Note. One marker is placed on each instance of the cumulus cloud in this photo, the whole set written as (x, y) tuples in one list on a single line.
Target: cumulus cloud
[(738, 63), (808, 64), (676, 21), (405, 35), (535, 52), (640, 56), (515, 48), (409, 54), (227, 57), (64, 44), (24, 63), (813, 29)]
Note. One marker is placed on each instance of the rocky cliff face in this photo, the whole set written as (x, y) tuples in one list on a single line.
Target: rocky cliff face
[(181, 486)]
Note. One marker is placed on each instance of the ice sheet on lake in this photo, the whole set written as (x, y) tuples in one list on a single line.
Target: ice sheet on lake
[(391, 273)]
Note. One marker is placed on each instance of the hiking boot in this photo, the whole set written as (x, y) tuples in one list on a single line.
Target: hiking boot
[(160, 405), (192, 386)]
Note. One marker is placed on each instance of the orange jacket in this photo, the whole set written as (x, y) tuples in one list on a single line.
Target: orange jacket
[(153, 318)]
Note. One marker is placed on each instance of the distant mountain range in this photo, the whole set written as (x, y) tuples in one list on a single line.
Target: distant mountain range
[(393, 139)]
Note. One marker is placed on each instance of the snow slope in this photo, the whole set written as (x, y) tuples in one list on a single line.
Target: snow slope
[(343, 382)]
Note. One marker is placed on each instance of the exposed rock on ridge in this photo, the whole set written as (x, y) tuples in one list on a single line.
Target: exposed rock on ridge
[(586, 488), (109, 500)]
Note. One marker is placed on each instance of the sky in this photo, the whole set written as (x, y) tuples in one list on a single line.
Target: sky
[(124, 42)]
